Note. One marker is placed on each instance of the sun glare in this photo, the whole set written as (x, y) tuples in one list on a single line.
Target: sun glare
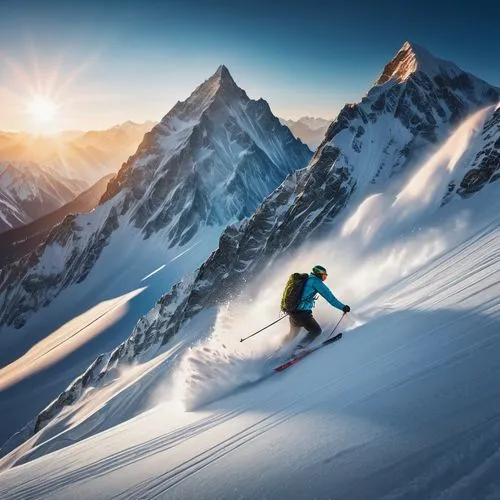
[(42, 109)]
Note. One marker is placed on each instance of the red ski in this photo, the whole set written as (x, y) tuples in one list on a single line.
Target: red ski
[(305, 353)]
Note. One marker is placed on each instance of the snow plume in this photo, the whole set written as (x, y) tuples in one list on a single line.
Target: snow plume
[(219, 364), (384, 216)]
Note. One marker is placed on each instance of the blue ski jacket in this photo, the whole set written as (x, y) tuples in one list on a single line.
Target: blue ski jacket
[(313, 286)]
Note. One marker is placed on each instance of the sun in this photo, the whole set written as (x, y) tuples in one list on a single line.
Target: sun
[(42, 109)]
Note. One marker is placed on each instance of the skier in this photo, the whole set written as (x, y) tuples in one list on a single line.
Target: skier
[(302, 316)]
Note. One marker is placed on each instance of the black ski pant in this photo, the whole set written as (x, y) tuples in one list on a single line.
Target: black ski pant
[(303, 319)]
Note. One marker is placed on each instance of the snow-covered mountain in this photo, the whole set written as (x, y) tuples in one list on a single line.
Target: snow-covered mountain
[(427, 134), (210, 161), (29, 191), (309, 130), (222, 137)]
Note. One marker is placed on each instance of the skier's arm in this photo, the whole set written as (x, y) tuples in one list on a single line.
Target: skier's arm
[(326, 293)]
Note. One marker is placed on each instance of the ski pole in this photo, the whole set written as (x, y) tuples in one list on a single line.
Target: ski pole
[(258, 331), (333, 331)]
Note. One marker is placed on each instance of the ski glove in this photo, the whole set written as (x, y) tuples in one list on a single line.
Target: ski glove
[(346, 309)]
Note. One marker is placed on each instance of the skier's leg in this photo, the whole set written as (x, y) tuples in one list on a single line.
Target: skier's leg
[(313, 328)]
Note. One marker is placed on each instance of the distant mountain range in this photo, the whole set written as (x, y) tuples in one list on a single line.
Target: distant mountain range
[(22, 240), (29, 190), (309, 130), (39, 174), (85, 156)]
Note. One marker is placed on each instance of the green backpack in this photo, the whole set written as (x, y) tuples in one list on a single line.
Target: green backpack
[(293, 292)]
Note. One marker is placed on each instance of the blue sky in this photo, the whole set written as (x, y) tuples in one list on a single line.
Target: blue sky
[(104, 62)]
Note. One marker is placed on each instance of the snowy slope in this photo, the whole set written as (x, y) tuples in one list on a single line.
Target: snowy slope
[(403, 407), (28, 191), (346, 179), (210, 161)]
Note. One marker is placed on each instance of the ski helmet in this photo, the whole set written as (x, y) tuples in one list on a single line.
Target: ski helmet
[(319, 270)]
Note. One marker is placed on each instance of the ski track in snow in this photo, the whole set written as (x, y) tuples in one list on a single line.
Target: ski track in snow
[(159, 486), (128, 456)]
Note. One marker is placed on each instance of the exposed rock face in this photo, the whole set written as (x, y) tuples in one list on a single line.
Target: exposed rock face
[(416, 102), (486, 164)]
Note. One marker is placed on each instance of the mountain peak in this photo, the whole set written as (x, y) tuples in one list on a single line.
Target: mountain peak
[(223, 72), (220, 84), (412, 58), (223, 79)]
